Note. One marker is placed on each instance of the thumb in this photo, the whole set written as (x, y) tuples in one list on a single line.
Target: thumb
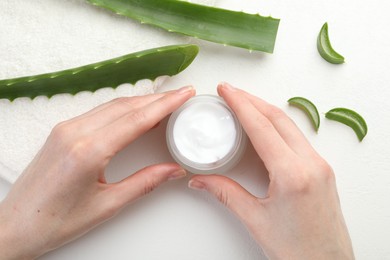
[(230, 193), (146, 180)]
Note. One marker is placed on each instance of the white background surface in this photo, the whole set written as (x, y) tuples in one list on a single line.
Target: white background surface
[(174, 222)]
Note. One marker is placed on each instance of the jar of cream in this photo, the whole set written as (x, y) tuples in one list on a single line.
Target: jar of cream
[(205, 136)]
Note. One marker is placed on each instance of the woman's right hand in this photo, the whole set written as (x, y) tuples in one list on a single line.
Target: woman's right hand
[(301, 217)]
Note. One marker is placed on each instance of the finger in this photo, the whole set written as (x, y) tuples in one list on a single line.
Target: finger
[(126, 102), (156, 125), (112, 110), (145, 181), (130, 126), (266, 140), (287, 129), (229, 193)]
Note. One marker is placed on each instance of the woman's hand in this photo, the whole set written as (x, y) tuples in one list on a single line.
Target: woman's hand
[(300, 218), (63, 193)]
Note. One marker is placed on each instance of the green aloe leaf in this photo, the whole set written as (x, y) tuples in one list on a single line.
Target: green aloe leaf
[(148, 64), (349, 118), (325, 48), (310, 109), (253, 32)]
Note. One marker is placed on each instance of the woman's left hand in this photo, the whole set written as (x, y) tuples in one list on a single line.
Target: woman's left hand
[(63, 193)]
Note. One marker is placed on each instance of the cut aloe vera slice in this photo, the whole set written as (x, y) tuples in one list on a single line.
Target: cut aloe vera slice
[(349, 118), (325, 48), (310, 109)]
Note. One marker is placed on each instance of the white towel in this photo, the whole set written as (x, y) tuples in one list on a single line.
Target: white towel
[(41, 36)]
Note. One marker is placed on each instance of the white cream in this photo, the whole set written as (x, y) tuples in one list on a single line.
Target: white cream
[(204, 132)]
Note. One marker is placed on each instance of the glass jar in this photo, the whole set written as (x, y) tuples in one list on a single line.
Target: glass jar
[(205, 136)]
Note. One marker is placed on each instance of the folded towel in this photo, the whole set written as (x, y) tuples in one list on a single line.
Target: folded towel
[(42, 36)]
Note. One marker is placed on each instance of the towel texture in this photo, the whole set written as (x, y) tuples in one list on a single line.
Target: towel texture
[(41, 36)]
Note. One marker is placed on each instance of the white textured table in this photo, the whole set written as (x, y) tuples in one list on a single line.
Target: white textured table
[(174, 222)]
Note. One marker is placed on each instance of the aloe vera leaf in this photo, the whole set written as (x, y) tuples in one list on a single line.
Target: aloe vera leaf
[(253, 32), (325, 48), (349, 118), (309, 108), (147, 64)]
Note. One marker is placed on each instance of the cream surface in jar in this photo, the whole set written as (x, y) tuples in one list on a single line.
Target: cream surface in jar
[(204, 135)]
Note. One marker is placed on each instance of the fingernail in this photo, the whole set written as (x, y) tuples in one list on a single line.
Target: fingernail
[(184, 90), (177, 174), (196, 185), (227, 86)]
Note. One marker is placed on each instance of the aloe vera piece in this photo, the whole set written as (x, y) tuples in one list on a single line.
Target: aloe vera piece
[(349, 118), (253, 32), (310, 109), (325, 48), (148, 64)]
